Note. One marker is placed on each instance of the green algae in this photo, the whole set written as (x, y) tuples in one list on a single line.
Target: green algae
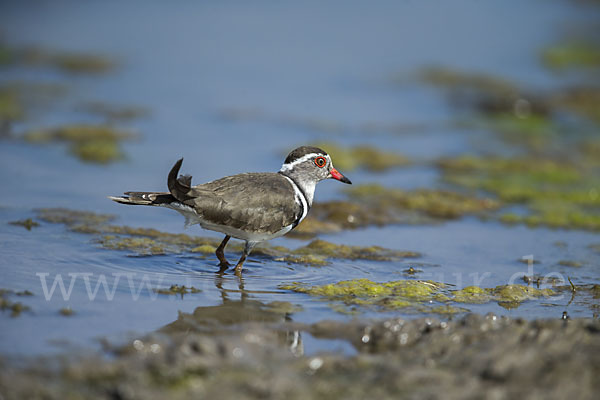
[(5, 292), (531, 169), (527, 119), (508, 296), (557, 194), (73, 217), (90, 143), (204, 249), (411, 271), (178, 239), (558, 215), (590, 151), (307, 259), (16, 308), (364, 292), (67, 62), (11, 108), (177, 290), (343, 309), (595, 291), (434, 203), (113, 112), (377, 205), (340, 214), (574, 54), (534, 132), (367, 157), (80, 63), (25, 223), (518, 116), (97, 151), (447, 309), (570, 263), (582, 100), (70, 62), (66, 311), (6, 54), (20, 99), (454, 79), (472, 294), (311, 227), (139, 245), (528, 260), (366, 288), (149, 241), (331, 250), (418, 295), (518, 293)]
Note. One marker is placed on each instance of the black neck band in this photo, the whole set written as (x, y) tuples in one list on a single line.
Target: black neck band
[(297, 221)]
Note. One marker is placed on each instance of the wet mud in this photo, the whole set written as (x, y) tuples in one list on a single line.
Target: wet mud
[(253, 352)]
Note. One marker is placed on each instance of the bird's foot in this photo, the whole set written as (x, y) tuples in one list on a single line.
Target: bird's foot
[(238, 268)]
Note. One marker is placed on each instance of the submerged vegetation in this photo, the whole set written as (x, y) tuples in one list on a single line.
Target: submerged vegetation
[(112, 112), (67, 62), (403, 294), (418, 295), (373, 204), (90, 143), (147, 241), (11, 108), (367, 157), (14, 307), (66, 311), (553, 168), (557, 194), (573, 54), (25, 223), (178, 290), (18, 100), (433, 203)]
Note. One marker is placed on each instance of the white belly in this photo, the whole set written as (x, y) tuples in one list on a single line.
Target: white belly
[(192, 218)]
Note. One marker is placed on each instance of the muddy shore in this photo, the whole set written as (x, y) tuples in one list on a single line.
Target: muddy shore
[(262, 357)]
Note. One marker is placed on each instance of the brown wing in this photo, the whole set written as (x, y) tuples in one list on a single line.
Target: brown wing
[(261, 202)]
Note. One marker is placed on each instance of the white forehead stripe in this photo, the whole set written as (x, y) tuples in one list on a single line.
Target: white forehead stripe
[(288, 166)]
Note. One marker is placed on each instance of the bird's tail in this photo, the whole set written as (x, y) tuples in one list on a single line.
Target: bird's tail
[(180, 190), (144, 198)]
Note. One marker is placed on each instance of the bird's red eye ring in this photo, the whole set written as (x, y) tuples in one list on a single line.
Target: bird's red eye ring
[(320, 162)]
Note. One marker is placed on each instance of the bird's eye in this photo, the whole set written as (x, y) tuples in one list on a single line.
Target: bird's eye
[(320, 162)]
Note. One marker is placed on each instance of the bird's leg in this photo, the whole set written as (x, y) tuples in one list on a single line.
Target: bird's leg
[(220, 252), (247, 249)]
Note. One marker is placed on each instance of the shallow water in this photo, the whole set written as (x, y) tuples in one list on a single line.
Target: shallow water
[(305, 73)]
